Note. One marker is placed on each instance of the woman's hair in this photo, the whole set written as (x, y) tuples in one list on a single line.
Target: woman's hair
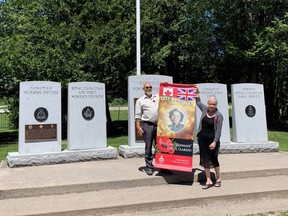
[(176, 110), (213, 98)]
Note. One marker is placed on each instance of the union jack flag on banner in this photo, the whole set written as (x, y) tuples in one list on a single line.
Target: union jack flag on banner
[(186, 94)]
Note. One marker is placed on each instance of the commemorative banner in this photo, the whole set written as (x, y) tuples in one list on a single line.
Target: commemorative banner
[(175, 130)]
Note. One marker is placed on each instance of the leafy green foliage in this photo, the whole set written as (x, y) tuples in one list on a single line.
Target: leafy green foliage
[(271, 49), (66, 41), (118, 102), (195, 41)]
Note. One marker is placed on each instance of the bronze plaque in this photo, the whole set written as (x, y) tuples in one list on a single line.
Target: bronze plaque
[(40, 132)]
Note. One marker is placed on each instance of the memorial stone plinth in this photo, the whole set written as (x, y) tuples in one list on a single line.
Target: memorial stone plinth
[(39, 117), (135, 147), (87, 118), (39, 120), (219, 91), (249, 117)]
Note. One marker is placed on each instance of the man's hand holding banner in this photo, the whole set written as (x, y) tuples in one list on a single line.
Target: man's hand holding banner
[(175, 132)]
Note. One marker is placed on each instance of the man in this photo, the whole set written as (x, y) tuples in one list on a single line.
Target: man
[(146, 111)]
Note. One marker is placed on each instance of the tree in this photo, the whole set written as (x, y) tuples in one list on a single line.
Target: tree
[(66, 41), (191, 40), (271, 49), (177, 40), (241, 29)]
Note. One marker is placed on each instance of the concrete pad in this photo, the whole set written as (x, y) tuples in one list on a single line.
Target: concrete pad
[(127, 151), (109, 186), (14, 159), (128, 172), (151, 198)]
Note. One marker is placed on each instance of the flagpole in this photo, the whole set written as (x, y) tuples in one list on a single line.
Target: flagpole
[(138, 41)]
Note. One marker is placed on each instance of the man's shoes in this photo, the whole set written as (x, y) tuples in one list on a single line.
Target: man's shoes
[(149, 171), (165, 171)]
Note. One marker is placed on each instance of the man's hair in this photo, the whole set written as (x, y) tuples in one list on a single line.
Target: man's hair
[(146, 83)]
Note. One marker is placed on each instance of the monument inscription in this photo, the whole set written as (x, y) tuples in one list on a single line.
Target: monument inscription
[(86, 92)]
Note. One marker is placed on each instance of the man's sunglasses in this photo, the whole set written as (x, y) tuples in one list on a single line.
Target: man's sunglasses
[(148, 87)]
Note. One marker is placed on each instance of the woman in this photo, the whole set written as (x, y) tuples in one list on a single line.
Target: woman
[(209, 132), (176, 117)]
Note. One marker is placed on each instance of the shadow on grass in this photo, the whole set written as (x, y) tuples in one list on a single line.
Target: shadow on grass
[(118, 128), (277, 126), (8, 137), (280, 126)]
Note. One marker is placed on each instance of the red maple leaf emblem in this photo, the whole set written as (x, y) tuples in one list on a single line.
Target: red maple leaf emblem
[(167, 93)]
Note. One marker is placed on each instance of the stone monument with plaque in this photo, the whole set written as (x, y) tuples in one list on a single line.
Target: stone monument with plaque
[(135, 147), (218, 91), (87, 136), (249, 118), (39, 122)]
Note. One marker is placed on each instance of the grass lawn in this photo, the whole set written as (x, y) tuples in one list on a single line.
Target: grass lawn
[(5, 148), (117, 141), (280, 137)]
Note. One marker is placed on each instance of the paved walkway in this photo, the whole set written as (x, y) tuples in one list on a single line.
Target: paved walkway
[(127, 169), (121, 186)]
